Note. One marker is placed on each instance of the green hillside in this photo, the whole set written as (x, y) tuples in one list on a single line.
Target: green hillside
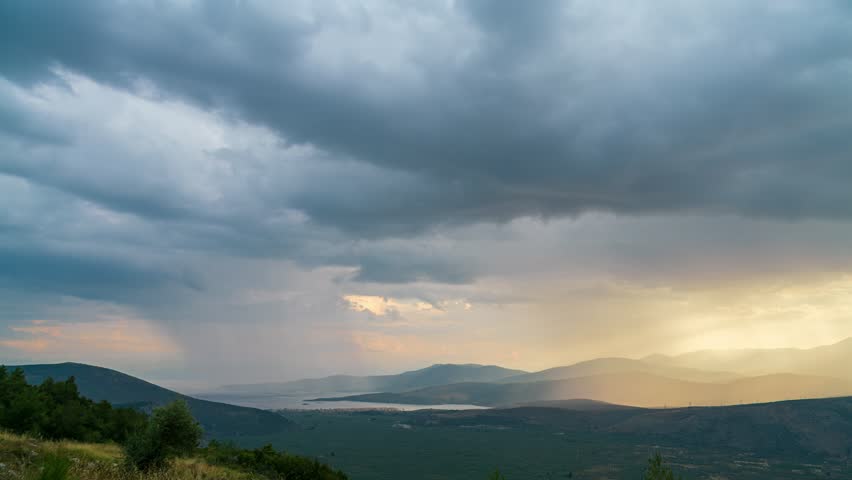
[(793, 440), (803, 428), (25, 458), (217, 419)]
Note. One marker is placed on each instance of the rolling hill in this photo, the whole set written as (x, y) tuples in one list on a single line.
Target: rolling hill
[(816, 427), (635, 389), (98, 383), (603, 366), (440, 374), (828, 360)]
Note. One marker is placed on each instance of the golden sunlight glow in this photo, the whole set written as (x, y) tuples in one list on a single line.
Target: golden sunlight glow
[(560, 323)]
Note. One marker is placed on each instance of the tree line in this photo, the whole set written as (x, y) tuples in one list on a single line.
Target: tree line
[(55, 410)]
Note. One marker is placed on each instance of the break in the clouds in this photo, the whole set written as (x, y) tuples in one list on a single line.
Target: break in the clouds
[(220, 168)]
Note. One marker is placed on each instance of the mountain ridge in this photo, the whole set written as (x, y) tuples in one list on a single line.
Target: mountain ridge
[(608, 365), (714, 366), (813, 427), (824, 360), (436, 374), (630, 389), (121, 389)]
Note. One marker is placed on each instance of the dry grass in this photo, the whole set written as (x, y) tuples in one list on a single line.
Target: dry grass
[(21, 458)]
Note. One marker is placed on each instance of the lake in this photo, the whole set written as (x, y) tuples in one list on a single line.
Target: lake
[(303, 402)]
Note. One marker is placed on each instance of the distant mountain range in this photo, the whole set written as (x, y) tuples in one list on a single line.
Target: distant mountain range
[(636, 389), (217, 419), (578, 404), (440, 374), (604, 366), (700, 378), (710, 377), (829, 360)]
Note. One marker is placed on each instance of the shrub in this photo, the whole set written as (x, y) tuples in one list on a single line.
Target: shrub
[(269, 462), (143, 452), (171, 432), (657, 471)]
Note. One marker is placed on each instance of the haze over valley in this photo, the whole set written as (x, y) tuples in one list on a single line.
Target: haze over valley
[(654, 381), (533, 421)]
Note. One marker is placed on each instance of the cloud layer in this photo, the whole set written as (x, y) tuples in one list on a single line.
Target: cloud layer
[(168, 156), (488, 111)]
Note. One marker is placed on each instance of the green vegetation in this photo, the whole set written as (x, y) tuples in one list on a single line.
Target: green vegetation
[(171, 432), (56, 467), (55, 410), (28, 458), (49, 419), (119, 389), (267, 461), (551, 444), (797, 440), (656, 470)]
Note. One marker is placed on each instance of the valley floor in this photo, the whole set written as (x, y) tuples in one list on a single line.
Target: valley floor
[(376, 445)]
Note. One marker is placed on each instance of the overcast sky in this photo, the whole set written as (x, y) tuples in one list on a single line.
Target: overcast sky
[(212, 192)]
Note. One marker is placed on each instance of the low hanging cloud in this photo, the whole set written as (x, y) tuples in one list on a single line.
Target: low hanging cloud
[(381, 306)]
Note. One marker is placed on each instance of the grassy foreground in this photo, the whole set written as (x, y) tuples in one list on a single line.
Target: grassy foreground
[(24, 458)]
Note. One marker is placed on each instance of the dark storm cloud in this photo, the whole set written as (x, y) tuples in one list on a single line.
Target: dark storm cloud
[(17, 123), (132, 200), (421, 116), (86, 276), (394, 269), (550, 109)]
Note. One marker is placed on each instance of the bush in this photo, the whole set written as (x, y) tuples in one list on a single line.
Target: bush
[(269, 462), (143, 452), (171, 432), (657, 471)]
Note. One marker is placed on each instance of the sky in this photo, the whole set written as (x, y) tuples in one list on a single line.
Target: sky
[(234, 191)]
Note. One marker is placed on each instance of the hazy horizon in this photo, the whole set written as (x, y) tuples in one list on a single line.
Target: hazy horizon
[(191, 387), (208, 193)]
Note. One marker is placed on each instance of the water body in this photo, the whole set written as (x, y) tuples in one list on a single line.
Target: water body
[(303, 402)]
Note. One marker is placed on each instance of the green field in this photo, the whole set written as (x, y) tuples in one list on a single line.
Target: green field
[(399, 445)]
